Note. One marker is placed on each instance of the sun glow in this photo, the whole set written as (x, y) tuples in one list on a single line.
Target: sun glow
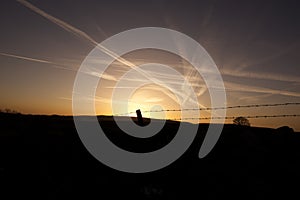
[(151, 98)]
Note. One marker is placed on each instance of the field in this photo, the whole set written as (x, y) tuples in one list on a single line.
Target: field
[(42, 157)]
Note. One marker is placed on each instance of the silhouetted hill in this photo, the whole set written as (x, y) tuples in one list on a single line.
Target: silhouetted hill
[(42, 157)]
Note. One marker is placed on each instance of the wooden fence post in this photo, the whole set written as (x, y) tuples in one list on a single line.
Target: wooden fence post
[(139, 117)]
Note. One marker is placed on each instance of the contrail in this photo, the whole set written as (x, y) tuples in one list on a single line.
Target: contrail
[(81, 34), (261, 75), (75, 31), (56, 65), (26, 58)]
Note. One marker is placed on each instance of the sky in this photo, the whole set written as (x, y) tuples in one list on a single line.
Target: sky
[(254, 44)]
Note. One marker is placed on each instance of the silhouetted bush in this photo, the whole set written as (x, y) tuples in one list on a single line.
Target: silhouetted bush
[(241, 121), (285, 129)]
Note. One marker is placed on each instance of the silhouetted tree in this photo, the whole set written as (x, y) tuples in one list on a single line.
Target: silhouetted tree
[(241, 121), (9, 111)]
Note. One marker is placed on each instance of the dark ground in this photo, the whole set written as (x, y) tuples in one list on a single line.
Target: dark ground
[(42, 157)]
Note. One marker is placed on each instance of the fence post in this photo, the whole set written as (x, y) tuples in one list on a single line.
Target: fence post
[(139, 117)]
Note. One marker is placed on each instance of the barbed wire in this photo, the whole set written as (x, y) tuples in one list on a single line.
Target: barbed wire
[(233, 117), (215, 108)]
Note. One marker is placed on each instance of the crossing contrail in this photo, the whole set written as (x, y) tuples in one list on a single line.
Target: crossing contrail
[(81, 34)]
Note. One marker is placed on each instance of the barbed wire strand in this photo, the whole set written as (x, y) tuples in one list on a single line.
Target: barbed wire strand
[(233, 117), (215, 108)]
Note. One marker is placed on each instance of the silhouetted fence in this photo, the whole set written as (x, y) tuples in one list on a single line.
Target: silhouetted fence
[(225, 107)]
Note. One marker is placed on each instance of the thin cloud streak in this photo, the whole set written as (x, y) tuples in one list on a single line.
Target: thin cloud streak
[(65, 98), (246, 88), (55, 65), (274, 56), (263, 76), (26, 58)]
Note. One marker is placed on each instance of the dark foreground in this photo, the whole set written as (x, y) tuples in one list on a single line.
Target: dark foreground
[(42, 157)]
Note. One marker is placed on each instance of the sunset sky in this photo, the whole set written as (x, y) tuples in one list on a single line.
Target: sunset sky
[(255, 45)]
